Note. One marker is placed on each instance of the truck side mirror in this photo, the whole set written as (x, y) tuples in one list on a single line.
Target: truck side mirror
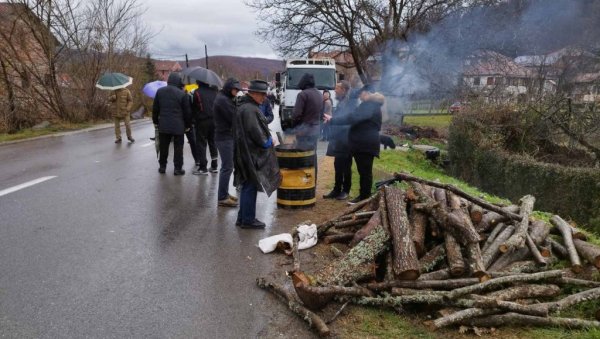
[(277, 79), (341, 76)]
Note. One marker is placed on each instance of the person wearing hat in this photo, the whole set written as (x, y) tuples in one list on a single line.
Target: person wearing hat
[(224, 114), (363, 136), (256, 166)]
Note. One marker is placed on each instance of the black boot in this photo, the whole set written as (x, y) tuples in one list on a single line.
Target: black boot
[(331, 195)]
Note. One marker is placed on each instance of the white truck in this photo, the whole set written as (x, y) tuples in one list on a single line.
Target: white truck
[(325, 76)]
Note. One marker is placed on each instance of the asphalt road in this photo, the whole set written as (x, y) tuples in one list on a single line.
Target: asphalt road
[(105, 247)]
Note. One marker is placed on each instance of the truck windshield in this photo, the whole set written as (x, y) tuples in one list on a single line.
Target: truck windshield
[(324, 77)]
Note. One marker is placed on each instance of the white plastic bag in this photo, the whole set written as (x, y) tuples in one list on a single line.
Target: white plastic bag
[(307, 236), (269, 244)]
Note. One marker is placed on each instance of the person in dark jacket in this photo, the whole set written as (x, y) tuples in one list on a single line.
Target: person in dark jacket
[(224, 110), (203, 99), (256, 166), (267, 110), (338, 143), (307, 113), (172, 114), (363, 136)]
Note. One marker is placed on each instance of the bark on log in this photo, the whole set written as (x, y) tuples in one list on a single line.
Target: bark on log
[(322, 228), (350, 223), (310, 300), (590, 252), (565, 230), (576, 282), (515, 319), (492, 236), (364, 231), (355, 264), (331, 291), (405, 259), (493, 283), (538, 231), (432, 258), (418, 226), (454, 256), (436, 275), (525, 292), (575, 232), (434, 228), (476, 266), (457, 191), (337, 238), (508, 258), (558, 248), (463, 315), (517, 240), (492, 252), (535, 253), (311, 318), (524, 266), (423, 284), (489, 220), (570, 300)]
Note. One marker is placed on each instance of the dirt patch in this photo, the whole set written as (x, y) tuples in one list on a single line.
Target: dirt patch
[(411, 132)]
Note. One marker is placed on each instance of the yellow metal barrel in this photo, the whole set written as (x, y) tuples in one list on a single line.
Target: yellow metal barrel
[(297, 167)]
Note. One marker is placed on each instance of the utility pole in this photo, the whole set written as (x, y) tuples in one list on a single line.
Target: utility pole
[(187, 62), (206, 56)]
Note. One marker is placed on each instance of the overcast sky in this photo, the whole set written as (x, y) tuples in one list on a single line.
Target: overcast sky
[(226, 26)]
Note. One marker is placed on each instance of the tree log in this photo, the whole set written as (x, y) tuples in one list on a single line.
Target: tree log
[(525, 292), (489, 220), (493, 250), (508, 258), (418, 224), (405, 259), (331, 291), (514, 319), (434, 228), (567, 233), (524, 266), (364, 231), (576, 282), (336, 238), (570, 300), (493, 283), (454, 256), (423, 284), (492, 236), (517, 240), (476, 266), (558, 248), (590, 252), (322, 228), (436, 275), (575, 232), (311, 318), (350, 223), (355, 264), (463, 315), (537, 256), (457, 191), (476, 213), (432, 258), (538, 231)]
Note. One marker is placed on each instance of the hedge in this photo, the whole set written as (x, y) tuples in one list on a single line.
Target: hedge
[(571, 192)]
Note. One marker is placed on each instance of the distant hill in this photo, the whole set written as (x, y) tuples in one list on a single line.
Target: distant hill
[(241, 67)]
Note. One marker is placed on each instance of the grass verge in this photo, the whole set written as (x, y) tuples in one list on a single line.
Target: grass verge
[(54, 128)]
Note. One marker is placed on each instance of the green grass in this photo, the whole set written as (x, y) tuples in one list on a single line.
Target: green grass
[(54, 128), (439, 121)]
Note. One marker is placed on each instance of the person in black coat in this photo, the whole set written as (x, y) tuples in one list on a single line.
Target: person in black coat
[(363, 136), (338, 143), (172, 114), (224, 115), (307, 113), (256, 166), (203, 99)]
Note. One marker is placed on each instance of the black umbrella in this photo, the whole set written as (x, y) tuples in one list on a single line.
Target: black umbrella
[(202, 74)]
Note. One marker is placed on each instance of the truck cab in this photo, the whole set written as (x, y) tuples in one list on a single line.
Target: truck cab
[(325, 76)]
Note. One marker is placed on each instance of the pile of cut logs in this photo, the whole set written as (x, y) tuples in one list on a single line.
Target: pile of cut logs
[(466, 261)]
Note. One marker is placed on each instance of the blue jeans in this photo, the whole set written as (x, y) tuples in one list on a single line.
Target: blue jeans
[(225, 148), (247, 211)]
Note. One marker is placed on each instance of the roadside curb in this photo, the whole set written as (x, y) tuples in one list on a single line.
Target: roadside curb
[(61, 134)]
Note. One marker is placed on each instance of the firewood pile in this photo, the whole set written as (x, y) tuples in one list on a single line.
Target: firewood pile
[(463, 260)]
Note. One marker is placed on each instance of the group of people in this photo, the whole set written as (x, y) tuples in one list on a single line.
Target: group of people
[(233, 128)]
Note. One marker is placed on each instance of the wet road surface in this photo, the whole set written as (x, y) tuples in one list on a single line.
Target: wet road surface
[(102, 246)]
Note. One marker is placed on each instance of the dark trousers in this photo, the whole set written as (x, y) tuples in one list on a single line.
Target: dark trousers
[(205, 136), (343, 174), (364, 164), (225, 148), (247, 211), (164, 142), (191, 136)]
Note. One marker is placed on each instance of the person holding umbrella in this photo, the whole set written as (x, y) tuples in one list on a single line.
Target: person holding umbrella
[(121, 106), (203, 99), (172, 114)]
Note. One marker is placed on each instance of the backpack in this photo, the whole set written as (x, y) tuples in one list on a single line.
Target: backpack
[(197, 105)]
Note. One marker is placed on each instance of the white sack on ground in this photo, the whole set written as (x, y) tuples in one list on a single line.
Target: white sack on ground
[(307, 236), (269, 244)]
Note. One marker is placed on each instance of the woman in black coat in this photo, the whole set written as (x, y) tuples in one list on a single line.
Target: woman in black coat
[(363, 137)]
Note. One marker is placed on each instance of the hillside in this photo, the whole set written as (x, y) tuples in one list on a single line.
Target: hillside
[(241, 67)]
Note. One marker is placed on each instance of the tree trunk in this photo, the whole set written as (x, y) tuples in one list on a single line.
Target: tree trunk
[(454, 256), (449, 284), (462, 315), (508, 258), (336, 238), (366, 229), (418, 223), (491, 253), (567, 233), (537, 256), (525, 292), (575, 232), (570, 300), (476, 266), (517, 240), (322, 228), (590, 252), (436, 275), (405, 260), (476, 214), (489, 220), (310, 317), (524, 266), (558, 248), (492, 236), (432, 258), (515, 319)]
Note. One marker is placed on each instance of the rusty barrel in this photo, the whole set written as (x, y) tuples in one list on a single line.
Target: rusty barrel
[(297, 167)]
